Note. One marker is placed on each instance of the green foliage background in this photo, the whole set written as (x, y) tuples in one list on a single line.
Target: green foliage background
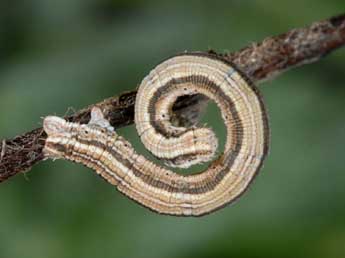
[(70, 53)]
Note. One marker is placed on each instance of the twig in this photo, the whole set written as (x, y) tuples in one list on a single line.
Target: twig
[(260, 61)]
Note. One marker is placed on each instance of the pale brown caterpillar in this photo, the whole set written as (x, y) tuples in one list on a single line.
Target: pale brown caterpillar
[(99, 147)]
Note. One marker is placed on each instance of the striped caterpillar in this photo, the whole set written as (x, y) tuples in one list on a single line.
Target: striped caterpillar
[(99, 147)]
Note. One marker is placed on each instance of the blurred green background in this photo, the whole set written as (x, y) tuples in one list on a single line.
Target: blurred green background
[(57, 55)]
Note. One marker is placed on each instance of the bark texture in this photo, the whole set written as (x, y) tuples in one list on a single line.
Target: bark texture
[(259, 61)]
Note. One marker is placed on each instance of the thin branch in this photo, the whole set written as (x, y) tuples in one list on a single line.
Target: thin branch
[(260, 61)]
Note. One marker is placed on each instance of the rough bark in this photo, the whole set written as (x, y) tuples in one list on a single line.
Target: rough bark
[(259, 61)]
